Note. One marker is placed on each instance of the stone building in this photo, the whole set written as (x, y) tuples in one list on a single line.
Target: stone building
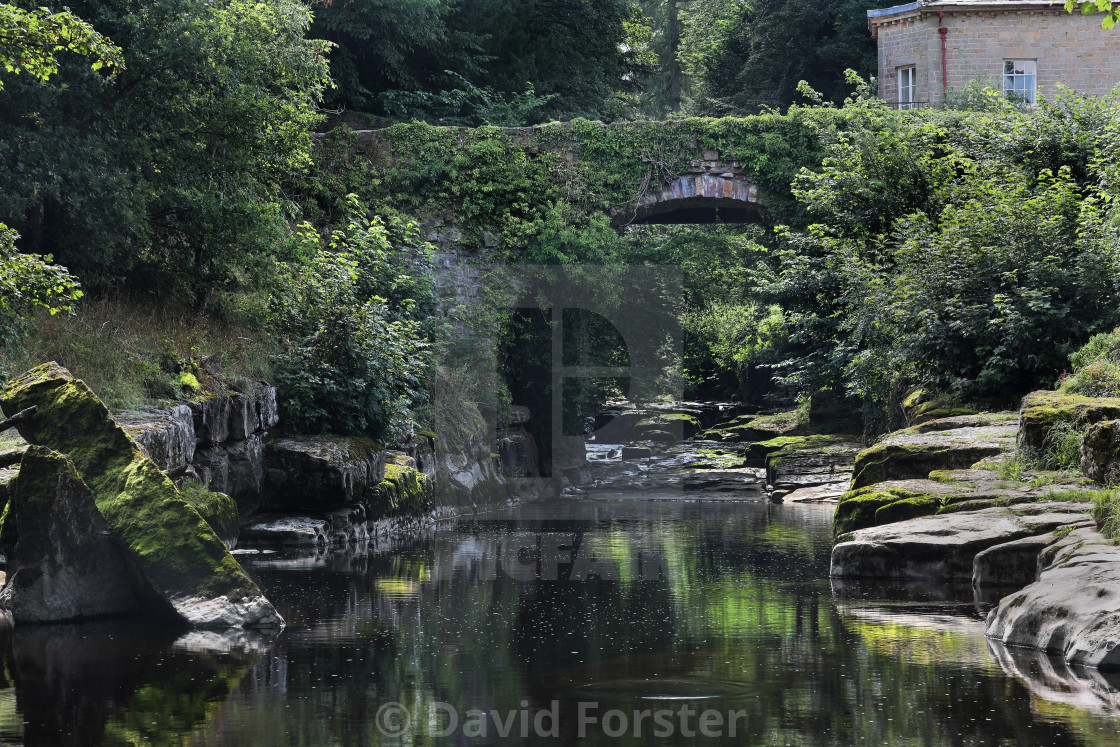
[(1024, 47)]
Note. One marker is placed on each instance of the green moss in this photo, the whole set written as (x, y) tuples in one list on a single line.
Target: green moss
[(403, 491), (945, 476), (907, 508), (177, 550), (857, 509), (904, 461), (1041, 411), (913, 399), (217, 509), (928, 411)]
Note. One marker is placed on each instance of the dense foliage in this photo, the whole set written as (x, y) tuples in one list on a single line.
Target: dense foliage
[(744, 57), (500, 62), (353, 322), (29, 282), (967, 252), (166, 174), (31, 40)]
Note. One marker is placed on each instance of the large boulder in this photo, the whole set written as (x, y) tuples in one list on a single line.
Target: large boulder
[(943, 547), (320, 473), (1041, 411), (1100, 452), (909, 454), (1072, 609), (63, 561), (180, 556)]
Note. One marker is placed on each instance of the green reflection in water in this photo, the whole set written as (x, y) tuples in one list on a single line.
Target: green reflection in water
[(739, 617)]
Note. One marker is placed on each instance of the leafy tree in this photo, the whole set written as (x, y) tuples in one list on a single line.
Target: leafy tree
[(30, 41), (350, 319), (504, 62), (168, 173), (29, 282), (963, 251), (1111, 12), (746, 57)]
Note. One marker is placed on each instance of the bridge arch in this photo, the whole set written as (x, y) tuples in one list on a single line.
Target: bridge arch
[(712, 191)]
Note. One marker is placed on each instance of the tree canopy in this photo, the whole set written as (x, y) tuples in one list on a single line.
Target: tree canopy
[(168, 173)]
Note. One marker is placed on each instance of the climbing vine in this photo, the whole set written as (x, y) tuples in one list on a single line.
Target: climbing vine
[(509, 190)]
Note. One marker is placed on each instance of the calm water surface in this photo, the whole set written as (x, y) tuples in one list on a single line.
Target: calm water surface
[(606, 607)]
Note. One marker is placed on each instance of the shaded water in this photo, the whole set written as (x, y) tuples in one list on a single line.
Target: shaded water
[(556, 609)]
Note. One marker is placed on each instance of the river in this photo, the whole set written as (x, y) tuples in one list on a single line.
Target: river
[(618, 618)]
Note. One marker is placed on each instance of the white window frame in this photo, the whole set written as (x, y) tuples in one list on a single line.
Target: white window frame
[(1020, 81), (907, 83)]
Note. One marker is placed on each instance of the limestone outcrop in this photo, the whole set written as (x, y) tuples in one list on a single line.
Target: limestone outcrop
[(913, 454), (1041, 411), (1073, 609), (943, 548), (177, 552), (320, 473), (1100, 452)]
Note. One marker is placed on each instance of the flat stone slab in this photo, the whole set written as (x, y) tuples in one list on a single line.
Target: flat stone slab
[(823, 493), (1073, 609), (908, 455), (296, 531), (942, 548)]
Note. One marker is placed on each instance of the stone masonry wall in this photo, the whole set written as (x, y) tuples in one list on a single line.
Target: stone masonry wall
[(1070, 49)]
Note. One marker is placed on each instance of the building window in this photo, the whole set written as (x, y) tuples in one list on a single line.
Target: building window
[(1020, 81), (906, 87)]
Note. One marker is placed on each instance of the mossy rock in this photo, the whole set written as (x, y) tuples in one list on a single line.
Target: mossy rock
[(60, 566), (178, 552), (217, 509), (1041, 411), (7, 474), (922, 406), (857, 509), (926, 413), (759, 427), (786, 445), (404, 491), (907, 508), (688, 425), (914, 457)]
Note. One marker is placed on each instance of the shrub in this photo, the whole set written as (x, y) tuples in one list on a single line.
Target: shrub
[(1101, 378), (350, 325), (29, 282)]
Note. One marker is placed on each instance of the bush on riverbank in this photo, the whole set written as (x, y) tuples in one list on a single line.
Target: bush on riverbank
[(354, 325), (966, 252)]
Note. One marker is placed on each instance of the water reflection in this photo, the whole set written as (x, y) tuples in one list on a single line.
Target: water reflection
[(112, 683), (628, 604)]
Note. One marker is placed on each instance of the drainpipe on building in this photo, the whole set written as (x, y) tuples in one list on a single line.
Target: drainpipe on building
[(944, 68)]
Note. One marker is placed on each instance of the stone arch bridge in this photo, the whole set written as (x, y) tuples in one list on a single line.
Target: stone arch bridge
[(702, 185)]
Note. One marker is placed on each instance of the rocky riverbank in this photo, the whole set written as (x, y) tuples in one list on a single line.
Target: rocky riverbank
[(220, 459), (951, 501)]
